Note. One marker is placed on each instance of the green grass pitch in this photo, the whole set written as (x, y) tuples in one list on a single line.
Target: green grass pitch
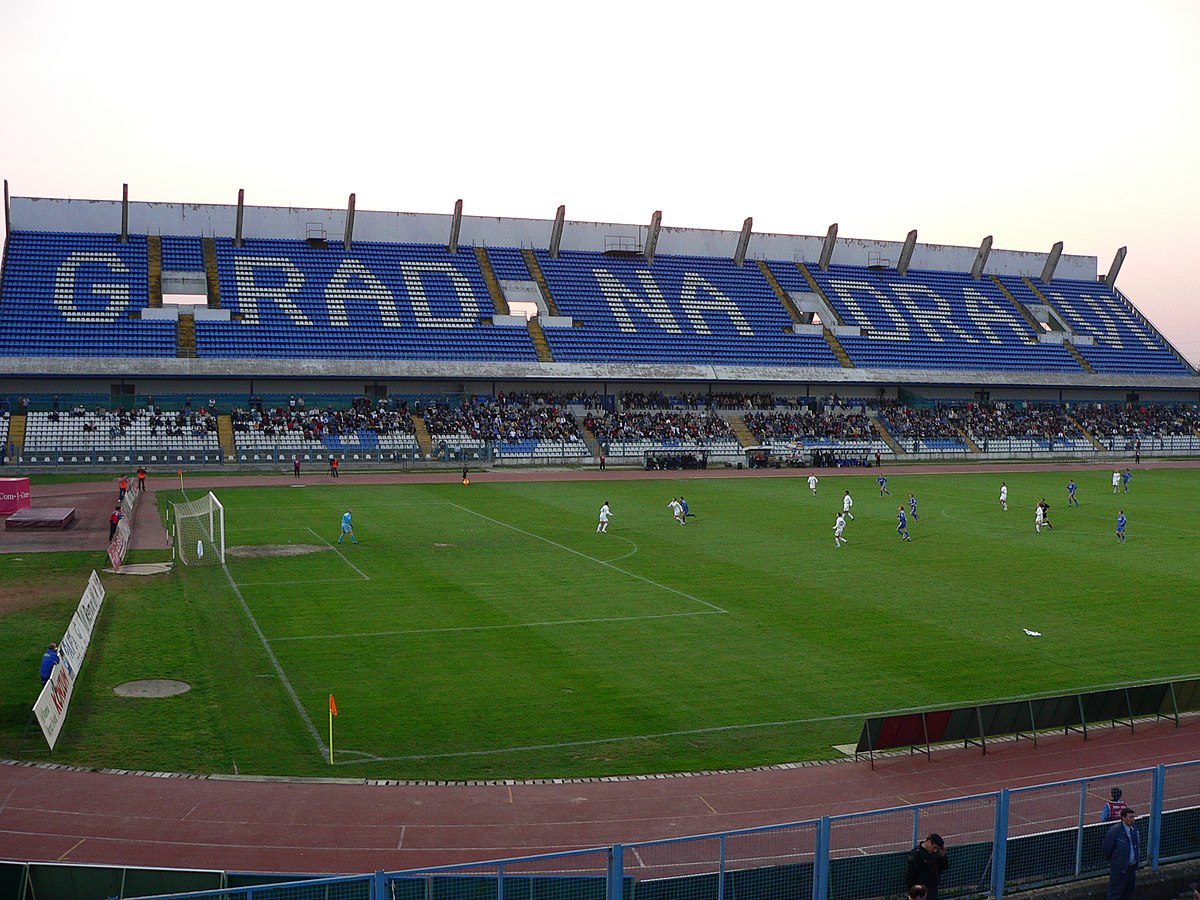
[(487, 631)]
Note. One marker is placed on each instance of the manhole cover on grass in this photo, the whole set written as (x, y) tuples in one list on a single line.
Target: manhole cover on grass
[(152, 687)]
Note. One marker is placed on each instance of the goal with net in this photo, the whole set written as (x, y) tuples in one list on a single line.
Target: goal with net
[(200, 531)]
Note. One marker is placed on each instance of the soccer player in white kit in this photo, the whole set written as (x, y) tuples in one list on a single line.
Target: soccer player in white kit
[(847, 503), (1038, 518), (605, 512), (677, 510), (1116, 481), (1004, 495), (838, 527), (812, 484)]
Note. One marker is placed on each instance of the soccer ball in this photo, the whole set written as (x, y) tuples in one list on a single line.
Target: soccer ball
[(466, 481)]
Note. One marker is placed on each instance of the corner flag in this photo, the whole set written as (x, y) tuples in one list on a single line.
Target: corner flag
[(332, 713)]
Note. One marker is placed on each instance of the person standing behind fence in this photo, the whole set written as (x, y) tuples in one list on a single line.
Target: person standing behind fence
[(926, 863), (1113, 808), (113, 521), (1121, 849), (124, 486), (49, 661)]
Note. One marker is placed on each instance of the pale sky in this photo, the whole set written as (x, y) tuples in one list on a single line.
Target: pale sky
[(1031, 121)]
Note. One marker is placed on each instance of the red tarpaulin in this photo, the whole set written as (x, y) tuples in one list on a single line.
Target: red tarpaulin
[(14, 495)]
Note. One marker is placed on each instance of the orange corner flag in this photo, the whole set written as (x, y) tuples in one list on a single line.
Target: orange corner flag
[(332, 706)]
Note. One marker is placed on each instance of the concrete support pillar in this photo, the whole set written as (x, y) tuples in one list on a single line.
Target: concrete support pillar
[(827, 248), (455, 226), (241, 215), (906, 253), (739, 255), (981, 258), (124, 213), (348, 240), (7, 212), (1115, 269), (556, 231), (1052, 262), (652, 235)]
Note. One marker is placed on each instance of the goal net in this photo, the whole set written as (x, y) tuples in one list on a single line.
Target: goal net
[(200, 531)]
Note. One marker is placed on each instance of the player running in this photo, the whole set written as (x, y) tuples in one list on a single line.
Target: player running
[(812, 484), (847, 505), (677, 511), (838, 527), (882, 479), (912, 508), (1121, 520), (1072, 487), (902, 528), (605, 514), (347, 528)]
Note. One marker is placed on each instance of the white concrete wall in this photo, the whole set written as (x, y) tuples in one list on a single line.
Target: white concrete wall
[(40, 214)]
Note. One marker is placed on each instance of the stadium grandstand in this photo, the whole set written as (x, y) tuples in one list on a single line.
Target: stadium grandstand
[(134, 331)]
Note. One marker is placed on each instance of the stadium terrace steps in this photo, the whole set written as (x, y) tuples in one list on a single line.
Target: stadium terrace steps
[(421, 432), (535, 269), (887, 437), (816, 289), (538, 336), (741, 431), (154, 265), (1079, 358), (784, 299), (1017, 305), (225, 436), (971, 445), (16, 432), (493, 283), (211, 277), (185, 335), (1087, 434), (838, 350)]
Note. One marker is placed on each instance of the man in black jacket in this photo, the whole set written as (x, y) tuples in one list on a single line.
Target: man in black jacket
[(926, 863)]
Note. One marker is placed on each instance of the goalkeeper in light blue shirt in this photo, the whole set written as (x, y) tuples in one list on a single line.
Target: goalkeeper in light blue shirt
[(347, 528)]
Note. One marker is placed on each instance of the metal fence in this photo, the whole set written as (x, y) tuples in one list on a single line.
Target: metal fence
[(998, 843)]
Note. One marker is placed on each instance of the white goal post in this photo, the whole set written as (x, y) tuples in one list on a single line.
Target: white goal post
[(200, 531)]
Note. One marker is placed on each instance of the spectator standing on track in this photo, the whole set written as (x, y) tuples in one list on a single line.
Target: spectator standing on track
[(926, 863), (123, 487), (1121, 849), (1114, 807), (296, 465), (141, 476), (603, 458), (333, 466), (114, 520)]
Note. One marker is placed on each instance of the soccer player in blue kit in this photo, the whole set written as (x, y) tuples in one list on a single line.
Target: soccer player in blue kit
[(1072, 487), (902, 528), (1121, 526), (883, 486), (912, 507), (347, 528)]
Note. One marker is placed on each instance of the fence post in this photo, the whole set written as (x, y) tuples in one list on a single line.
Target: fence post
[(379, 885), (821, 860), (1000, 844), (616, 872), (1156, 811)]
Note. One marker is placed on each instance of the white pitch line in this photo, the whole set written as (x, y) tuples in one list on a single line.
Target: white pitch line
[(312, 729), (362, 574), (371, 634), (303, 581), (601, 562)]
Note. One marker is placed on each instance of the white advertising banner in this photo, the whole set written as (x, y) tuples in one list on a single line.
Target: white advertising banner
[(52, 702)]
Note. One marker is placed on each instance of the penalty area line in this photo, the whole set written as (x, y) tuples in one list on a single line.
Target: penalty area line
[(601, 562), (363, 575)]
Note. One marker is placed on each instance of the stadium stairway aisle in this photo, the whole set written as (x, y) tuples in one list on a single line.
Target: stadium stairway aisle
[(539, 341), (838, 350), (493, 283), (1017, 304), (971, 445), (536, 271), (185, 336), (424, 441), (738, 425), (16, 433), (1087, 434), (784, 299), (886, 435), (225, 437), (154, 268), (1083, 363)]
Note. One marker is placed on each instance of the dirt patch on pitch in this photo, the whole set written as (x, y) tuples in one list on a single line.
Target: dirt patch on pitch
[(152, 687), (258, 551)]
